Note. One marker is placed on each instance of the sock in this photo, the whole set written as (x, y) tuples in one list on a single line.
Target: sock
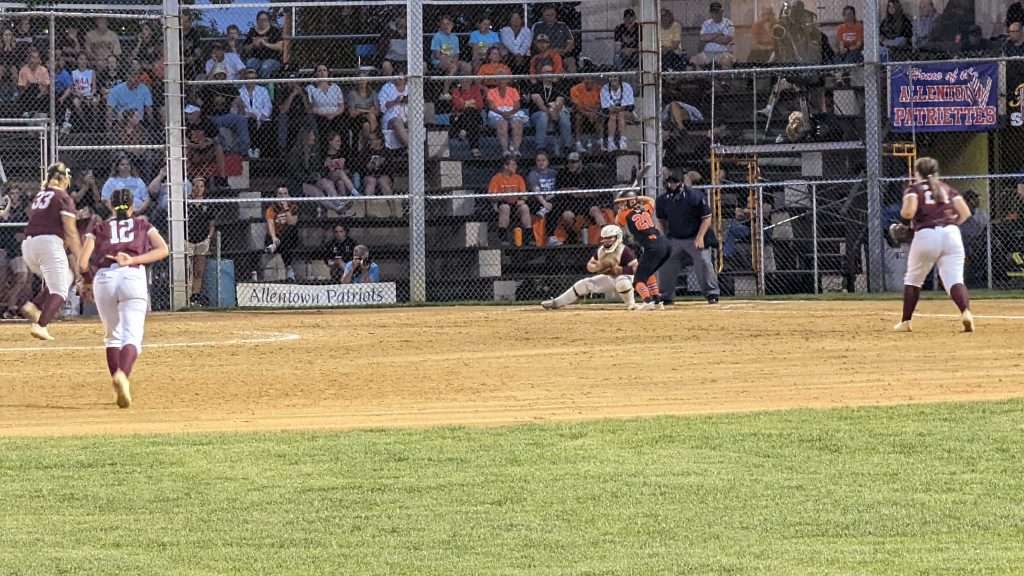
[(113, 358), (960, 296), (40, 298), (126, 359), (652, 285), (52, 306), (641, 289), (910, 296), (566, 298)]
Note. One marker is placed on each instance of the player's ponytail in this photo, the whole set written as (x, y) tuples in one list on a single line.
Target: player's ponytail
[(928, 169), (58, 175), (121, 201)]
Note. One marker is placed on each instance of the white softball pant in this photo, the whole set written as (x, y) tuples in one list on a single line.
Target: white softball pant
[(942, 247), (122, 299), (45, 257), (610, 287)]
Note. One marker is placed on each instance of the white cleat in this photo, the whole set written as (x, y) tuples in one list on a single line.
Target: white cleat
[(661, 305), (548, 305), (646, 307), (968, 320), (40, 332), (31, 311), (903, 327), (633, 306), (123, 389)]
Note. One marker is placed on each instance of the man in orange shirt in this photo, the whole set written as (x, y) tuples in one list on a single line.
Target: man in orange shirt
[(545, 54), (586, 102), (504, 182), (850, 37), (34, 84), (506, 114)]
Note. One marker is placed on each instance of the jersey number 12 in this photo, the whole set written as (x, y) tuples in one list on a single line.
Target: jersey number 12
[(122, 231)]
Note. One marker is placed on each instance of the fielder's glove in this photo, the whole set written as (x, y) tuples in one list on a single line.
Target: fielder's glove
[(900, 233)]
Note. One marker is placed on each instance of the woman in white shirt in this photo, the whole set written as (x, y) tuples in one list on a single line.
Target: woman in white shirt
[(617, 102), (393, 98), (84, 107), (517, 39), (326, 103)]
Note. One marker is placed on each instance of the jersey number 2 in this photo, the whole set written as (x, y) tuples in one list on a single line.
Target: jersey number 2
[(122, 231), (42, 200), (928, 198)]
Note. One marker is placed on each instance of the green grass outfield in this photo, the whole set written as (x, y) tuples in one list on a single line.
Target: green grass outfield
[(906, 490)]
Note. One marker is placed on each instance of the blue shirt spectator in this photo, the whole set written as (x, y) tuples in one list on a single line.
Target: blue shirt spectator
[(484, 40), (444, 43), (130, 96), (361, 270)]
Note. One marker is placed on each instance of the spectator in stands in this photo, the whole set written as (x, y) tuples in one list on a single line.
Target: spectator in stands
[(198, 239), (509, 181), (227, 60), (130, 102), (548, 107), (361, 269), (34, 85), (617, 103), (483, 39), (108, 75), (717, 35), (1014, 45), (505, 115), (568, 207), (467, 122), (264, 46), (11, 56), (973, 42), (545, 55), (70, 44), (673, 57), (363, 111), (393, 99), (291, 112), (850, 37), (8, 93), (1014, 13), (627, 42), (234, 43), (282, 219), (375, 174), (338, 252), (762, 42), (444, 53), (87, 193), (191, 47), (148, 47), (306, 172), (558, 34), (924, 23), (542, 180), (83, 97), (257, 108), (101, 42), (896, 32), (394, 45), (517, 40), (493, 66), (974, 233), (326, 103), (14, 277), (205, 155), (336, 181), (586, 101), (123, 174), (24, 36), (220, 104)]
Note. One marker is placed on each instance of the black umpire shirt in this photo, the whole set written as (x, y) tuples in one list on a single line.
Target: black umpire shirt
[(684, 210)]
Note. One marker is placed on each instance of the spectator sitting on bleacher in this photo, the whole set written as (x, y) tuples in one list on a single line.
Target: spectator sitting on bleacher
[(548, 106), (717, 35), (393, 100), (444, 53), (234, 42), (306, 171), (257, 108), (617, 103), (567, 207), (1014, 13), (361, 269), (326, 102), (973, 42), (467, 121), (375, 174), (493, 66), (205, 155), (924, 23), (627, 41), (545, 55), (543, 179), (518, 40), (586, 102), (24, 36), (102, 42), (338, 252), (228, 60), (363, 111), (33, 85), (896, 32), (11, 55), (8, 93), (558, 33), (123, 174), (147, 49), (291, 114), (1014, 44), (336, 181), (199, 236), (483, 39), (282, 219), (762, 42), (108, 75), (62, 84), (191, 47), (264, 46), (130, 102), (87, 193), (70, 44), (508, 181), (82, 98), (850, 37), (506, 115), (673, 57), (221, 104), (394, 46)]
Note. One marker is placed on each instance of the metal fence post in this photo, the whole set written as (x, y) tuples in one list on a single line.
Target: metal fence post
[(762, 288), (417, 150), (53, 88), (988, 250), (650, 86), (814, 233), (174, 101), (873, 145)]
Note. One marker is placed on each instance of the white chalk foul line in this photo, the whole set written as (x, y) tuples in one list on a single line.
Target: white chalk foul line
[(255, 338)]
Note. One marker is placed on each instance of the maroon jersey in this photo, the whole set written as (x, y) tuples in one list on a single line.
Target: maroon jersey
[(112, 236), (48, 208), (930, 213), (625, 260)]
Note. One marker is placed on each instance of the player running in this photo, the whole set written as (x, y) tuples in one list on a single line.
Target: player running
[(612, 264), (51, 227), (936, 210), (123, 245), (637, 213)]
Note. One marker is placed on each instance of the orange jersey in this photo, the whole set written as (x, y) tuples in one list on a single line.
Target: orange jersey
[(640, 221)]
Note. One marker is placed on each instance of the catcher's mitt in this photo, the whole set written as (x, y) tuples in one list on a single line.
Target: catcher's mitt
[(900, 233)]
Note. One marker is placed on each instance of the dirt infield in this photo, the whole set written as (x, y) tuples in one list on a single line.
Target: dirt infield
[(497, 365)]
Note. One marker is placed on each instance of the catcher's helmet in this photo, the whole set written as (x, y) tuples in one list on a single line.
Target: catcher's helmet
[(612, 233)]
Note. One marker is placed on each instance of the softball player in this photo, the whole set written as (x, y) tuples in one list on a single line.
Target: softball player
[(51, 226), (613, 265), (123, 246), (637, 213), (936, 211)]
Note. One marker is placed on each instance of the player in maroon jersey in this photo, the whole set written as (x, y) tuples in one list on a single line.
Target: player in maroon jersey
[(612, 264), (120, 248), (51, 227), (936, 211)]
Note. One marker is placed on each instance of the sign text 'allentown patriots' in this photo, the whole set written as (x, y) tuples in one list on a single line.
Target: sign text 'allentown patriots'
[(314, 296)]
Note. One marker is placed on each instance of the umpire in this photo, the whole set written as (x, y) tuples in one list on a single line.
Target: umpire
[(685, 216)]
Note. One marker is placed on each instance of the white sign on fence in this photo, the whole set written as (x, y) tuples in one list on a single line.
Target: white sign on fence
[(314, 296)]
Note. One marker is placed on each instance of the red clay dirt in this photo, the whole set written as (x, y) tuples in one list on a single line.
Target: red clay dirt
[(502, 365)]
